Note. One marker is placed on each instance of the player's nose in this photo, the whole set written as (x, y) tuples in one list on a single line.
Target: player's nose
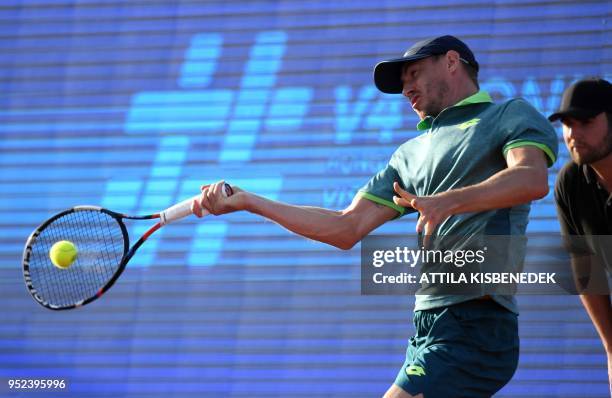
[(407, 90)]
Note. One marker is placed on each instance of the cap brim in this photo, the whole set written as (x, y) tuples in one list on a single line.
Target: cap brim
[(388, 74), (580, 114)]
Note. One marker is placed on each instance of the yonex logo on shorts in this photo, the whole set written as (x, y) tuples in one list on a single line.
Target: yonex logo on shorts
[(415, 370)]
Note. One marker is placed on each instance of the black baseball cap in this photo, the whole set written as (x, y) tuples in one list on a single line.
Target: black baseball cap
[(388, 74), (585, 99)]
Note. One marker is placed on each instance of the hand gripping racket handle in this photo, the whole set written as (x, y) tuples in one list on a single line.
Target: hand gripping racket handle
[(183, 209)]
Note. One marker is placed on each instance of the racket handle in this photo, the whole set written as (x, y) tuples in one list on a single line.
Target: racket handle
[(183, 209)]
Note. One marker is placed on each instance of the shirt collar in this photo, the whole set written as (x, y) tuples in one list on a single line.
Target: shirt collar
[(586, 170), (478, 98), (590, 177)]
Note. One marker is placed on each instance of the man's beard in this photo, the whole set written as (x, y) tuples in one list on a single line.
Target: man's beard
[(595, 153), (435, 107)]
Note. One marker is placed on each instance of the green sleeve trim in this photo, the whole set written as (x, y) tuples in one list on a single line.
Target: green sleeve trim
[(383, 202), (551, 156)]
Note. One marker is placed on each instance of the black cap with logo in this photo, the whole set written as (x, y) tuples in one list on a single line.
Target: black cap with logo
[(387, 74), (585, 99)]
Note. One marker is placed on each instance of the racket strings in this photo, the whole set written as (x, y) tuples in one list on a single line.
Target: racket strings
[(99, 241)]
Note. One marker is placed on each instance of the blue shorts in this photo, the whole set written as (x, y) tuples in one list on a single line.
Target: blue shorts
[(469, 349)]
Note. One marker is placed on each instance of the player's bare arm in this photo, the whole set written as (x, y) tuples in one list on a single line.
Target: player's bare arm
[(342, 229), (525, 179)]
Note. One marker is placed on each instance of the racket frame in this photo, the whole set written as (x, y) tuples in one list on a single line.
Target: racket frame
[(128, 252), (167, 216)]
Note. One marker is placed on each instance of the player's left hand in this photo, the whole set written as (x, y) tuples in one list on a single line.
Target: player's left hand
[(433, 209)]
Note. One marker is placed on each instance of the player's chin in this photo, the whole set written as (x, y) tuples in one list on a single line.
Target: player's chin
[(420, 113)]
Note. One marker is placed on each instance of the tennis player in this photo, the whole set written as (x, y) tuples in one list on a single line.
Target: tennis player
[(583, 192), (473, 170)]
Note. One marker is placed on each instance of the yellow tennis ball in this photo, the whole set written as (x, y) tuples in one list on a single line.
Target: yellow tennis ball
[(63, 254)]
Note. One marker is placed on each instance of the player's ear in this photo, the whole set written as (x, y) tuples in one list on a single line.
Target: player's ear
[(452, 61)]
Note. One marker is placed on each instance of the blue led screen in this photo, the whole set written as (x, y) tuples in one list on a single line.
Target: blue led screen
[(132, 105)]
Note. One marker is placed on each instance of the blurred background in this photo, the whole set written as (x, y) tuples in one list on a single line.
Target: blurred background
[(133, 105)]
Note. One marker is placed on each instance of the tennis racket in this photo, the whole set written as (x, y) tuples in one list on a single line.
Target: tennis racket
[(103, 247)]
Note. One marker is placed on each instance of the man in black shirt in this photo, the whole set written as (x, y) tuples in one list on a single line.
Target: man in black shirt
[(583, 192)]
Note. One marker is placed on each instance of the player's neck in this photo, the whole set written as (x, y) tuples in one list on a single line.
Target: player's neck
[(603, 170), (463, 92)]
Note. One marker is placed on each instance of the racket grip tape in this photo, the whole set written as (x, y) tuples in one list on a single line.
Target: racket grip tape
[(183, 209)]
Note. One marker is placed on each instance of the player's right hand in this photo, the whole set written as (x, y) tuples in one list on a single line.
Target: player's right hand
[(213, 200)]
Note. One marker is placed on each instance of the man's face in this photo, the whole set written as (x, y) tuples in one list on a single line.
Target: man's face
[(587, 140), (425, 85)]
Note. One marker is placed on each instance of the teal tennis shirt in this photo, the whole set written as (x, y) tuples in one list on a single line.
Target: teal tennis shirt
[(465, 145)]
